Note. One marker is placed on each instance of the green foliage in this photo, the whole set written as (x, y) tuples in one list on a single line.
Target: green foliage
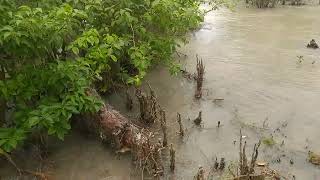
[(53, 52)]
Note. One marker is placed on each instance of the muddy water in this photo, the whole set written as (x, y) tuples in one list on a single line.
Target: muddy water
[(251, 62)]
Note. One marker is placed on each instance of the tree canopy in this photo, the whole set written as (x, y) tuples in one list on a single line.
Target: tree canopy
[(53, 51)]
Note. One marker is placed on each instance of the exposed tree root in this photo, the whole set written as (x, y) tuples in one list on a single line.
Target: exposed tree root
[(149, 107), (198, 120), (9, 159), (39, 175), (200, 174), (246, 168), (313, 44), (200, 74)]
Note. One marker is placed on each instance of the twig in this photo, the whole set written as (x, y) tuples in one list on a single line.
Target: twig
[(172, 158), (164, 127), (181, 130)]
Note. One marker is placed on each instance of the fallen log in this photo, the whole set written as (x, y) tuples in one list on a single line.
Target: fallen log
[(125, 136)]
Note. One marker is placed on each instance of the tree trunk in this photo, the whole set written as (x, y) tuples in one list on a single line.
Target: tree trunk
[(2, 100)]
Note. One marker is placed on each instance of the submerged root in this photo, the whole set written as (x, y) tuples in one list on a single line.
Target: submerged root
[(172, 158), (181, 130), (163, 123), (246, 168), (198, 120), (312, 44), (200, 174)]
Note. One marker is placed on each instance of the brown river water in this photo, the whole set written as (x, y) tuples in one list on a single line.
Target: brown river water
[(251, 62)]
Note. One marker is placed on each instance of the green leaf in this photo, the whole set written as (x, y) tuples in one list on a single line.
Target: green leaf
[(6, 35), (113, 58), (51, 131), (33, 121), (60, 135), (12, 143), (75, 50), (2, 141), (155, 3)]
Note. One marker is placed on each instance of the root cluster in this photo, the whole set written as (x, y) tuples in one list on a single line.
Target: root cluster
[(149, 108)]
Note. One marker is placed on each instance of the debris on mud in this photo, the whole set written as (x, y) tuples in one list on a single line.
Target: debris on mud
[(314, 158), (198, 120), (200, 74), (157, 158), (312, 44)]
